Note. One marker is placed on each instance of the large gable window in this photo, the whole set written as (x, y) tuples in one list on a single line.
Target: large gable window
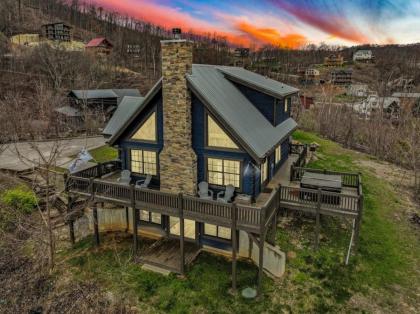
[(143, 161), (216, 137), (224, 172), (147, 131)]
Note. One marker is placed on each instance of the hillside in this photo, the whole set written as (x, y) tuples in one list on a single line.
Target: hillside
[(383, 277)]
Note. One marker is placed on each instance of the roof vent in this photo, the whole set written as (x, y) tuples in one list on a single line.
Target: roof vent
[(177, 33)]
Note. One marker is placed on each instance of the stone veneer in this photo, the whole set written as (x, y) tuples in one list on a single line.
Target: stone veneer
[(178, 161)]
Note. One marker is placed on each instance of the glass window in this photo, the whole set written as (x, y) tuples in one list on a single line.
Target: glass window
[(216, 136), (217, 231), (278, 154), (264, 171), (147, 131), (150, 217), (286, 104), (143, 162), (224, 172)]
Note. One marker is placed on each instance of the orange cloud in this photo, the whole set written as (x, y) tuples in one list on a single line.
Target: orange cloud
[(272, 36)]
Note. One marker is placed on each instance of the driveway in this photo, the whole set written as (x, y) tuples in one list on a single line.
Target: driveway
[(24, 155)]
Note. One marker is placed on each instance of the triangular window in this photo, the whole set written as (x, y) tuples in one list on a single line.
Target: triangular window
[(147, 131), (216, 137)]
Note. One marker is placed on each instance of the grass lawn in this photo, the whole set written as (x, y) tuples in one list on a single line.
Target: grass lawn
[(382, 277), (104, 153)]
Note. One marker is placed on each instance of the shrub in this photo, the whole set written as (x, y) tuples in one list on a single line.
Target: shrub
[(20, 198)]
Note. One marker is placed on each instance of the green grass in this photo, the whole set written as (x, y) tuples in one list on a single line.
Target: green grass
[(104, 153), (383, 273)]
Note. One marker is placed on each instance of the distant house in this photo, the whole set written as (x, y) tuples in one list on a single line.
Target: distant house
[(389, 105), (358, 90), (334, 60), (134, 50), (69, 118), (57, 31), (306, 101), (309, 76), (99, 102), (341, 76), (363, 56), (99, 46), (406, 95), (402, 84)]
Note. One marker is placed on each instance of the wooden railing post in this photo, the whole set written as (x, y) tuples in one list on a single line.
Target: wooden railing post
[(318, 219), (181, 233), (358, 223), (99, 172), (261, 250), (234, 245), (96, 223), (135, 219)]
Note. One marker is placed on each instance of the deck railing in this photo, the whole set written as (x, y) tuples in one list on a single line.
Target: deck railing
[(99, 170), (248, 217), (349, 179)]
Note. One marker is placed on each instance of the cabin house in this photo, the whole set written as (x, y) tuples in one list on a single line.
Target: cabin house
[(205, 160), (99, 46), (100, 103), (358, 90), (334, 60), (57, 31), (309, 76), (363, 56), (389, 106), (341, 77)]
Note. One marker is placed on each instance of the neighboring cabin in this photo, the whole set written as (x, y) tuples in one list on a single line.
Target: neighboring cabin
[(57, 31), (334, 60), (99, 46), (363, 56), (341, 77)]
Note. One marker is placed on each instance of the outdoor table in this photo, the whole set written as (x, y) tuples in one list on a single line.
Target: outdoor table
[(325, 182)]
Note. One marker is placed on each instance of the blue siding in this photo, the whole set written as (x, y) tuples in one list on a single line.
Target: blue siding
[(125, 143), (198, 137), (271, 108)]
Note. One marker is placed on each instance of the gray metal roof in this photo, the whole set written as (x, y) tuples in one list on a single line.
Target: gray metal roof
[(133, 92), (93, 93), (257, 81), (236, 112), (105, 93), (122, 120), (128, 106)]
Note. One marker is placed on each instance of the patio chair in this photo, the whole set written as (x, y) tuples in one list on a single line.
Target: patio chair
[(125, 177), (204, 192), (226, 195), (145, 182)]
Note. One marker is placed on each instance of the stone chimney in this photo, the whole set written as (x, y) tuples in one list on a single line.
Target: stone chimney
[(178, 161)]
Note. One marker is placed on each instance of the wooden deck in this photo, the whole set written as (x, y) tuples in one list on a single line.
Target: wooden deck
[(166, 254)]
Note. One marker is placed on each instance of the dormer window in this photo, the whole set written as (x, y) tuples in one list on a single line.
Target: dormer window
[(147, 131), (216, 137)]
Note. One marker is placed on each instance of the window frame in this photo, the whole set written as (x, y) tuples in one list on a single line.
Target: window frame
[(278, 158), (263, 182), (287, 102), (153, 111), (142, 162), (206, 158), (150, 221), (217, 233), (206, 135)]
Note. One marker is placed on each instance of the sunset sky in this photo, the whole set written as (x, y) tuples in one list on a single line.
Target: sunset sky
[(290, 23)]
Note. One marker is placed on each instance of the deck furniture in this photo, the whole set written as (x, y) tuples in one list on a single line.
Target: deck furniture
[(125, 177), (226, 195), (324, 182), (204, 192), (145, 182)]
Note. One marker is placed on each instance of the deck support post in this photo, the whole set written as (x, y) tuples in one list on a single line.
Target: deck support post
[(135, 220), (69, 209), (318, 220), (181, 234), (263, 231), (95, 223), (127, 220), (234, 246), (358, 224)]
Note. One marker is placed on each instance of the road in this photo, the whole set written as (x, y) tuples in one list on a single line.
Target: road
[(24, 155)]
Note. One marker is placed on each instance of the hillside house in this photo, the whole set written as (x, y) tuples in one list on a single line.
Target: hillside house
[(363, 56), (358, 90), (334, 60), (309, 76), (99, 103), (402, 84), (341, 77), (57, 31), (99, 46), (390, 106), (201, 157)]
